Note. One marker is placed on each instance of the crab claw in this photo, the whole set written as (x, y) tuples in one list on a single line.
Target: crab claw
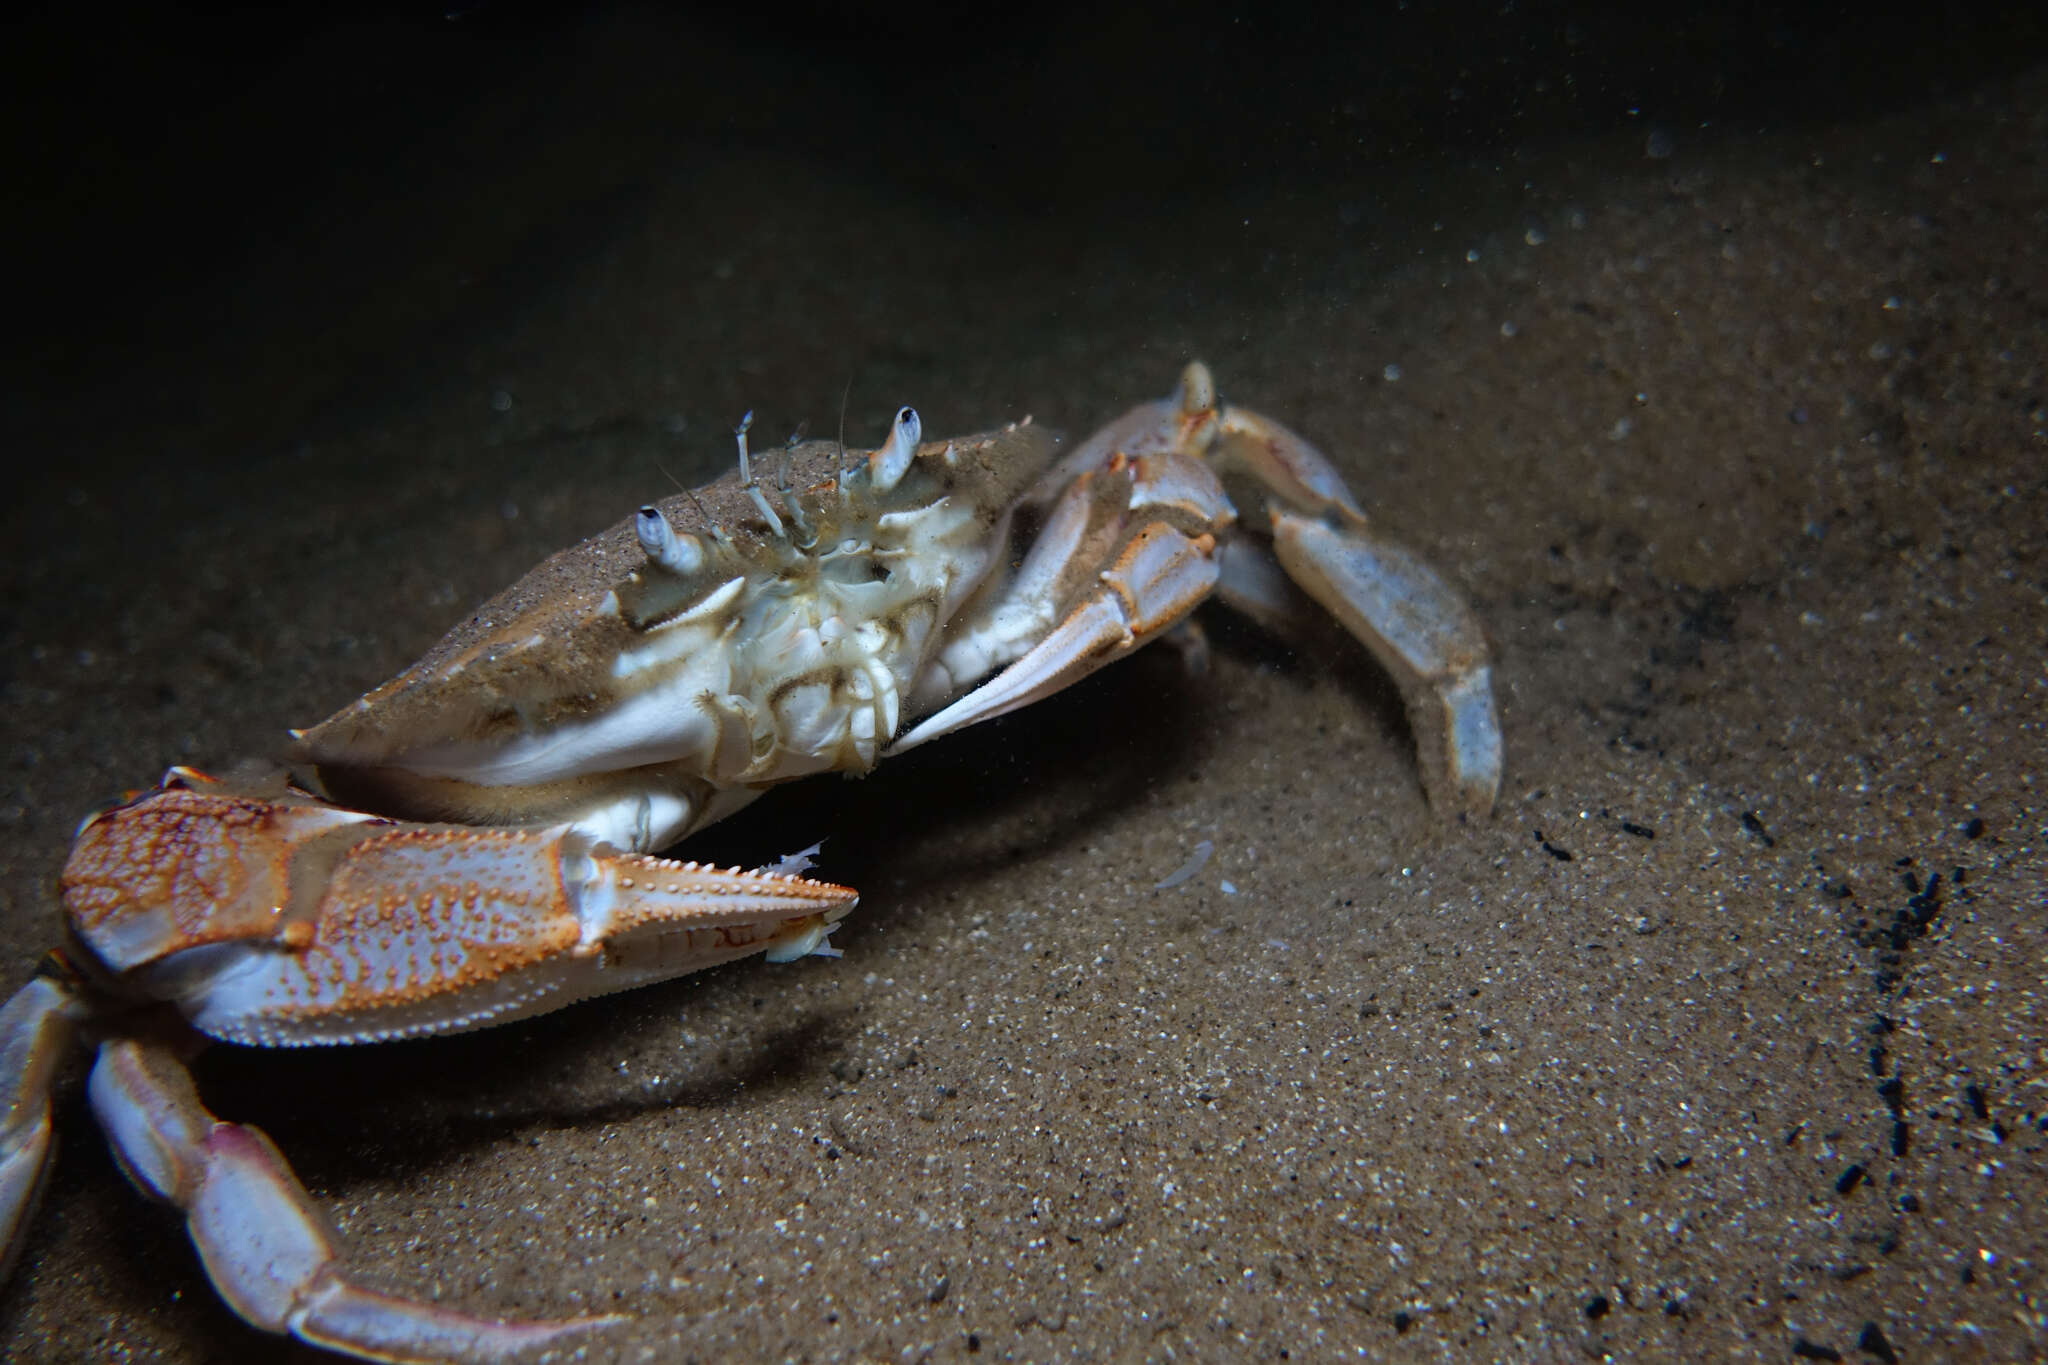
[(285, 922)]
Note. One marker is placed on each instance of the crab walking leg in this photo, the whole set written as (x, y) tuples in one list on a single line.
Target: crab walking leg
[(267, 1248), (1422, 633), (1251, 580), (1284, 463), (36, 1028), (1160, 576)]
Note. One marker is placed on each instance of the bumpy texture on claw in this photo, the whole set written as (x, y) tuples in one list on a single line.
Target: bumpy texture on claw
[(267, 1248), (283, 921)]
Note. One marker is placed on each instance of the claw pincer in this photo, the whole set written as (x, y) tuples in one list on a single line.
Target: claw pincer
[(288, 922)]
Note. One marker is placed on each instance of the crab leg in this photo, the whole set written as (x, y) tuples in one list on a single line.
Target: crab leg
[(36, 1027), (1154, 577), (1397, 606), (268, 1249), (1422, 633)]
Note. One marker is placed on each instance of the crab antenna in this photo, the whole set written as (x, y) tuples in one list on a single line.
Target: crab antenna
[(710, 523), (680, 555), (739, 433), (790, 500), (840, 464), (752, 489), (717, 531), (796, 439)]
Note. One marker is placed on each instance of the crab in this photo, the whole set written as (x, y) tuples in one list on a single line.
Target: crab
[(484, 849)]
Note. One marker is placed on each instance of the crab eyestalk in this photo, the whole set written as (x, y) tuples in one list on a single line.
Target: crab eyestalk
[(681, 555), (887, 466), (1196, 392)]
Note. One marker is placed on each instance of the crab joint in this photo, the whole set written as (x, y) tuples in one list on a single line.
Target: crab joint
[(887, 465), (680, 555)]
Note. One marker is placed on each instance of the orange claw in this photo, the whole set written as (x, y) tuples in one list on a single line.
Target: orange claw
[(324, 925)]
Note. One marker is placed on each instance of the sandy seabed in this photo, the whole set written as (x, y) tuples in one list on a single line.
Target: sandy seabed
[(1723, 1038)]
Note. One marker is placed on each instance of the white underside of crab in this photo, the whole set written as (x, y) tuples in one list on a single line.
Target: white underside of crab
[(755, 685), (632, 689)]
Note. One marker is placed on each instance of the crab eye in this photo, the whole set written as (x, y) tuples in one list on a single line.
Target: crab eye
[(887, 465), (681, 555)]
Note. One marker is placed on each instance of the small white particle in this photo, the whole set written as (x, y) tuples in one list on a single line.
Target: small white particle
[(1187, 869)]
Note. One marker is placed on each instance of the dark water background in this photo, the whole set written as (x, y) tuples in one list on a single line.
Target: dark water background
[(1703, 348)]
